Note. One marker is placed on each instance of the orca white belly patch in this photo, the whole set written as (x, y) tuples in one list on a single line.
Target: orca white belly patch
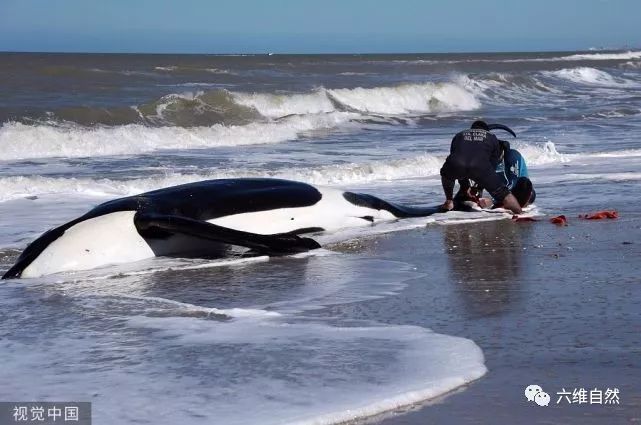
[(108, 239), (332, 212)]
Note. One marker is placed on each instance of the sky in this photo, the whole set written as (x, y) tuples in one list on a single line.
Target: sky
[(320, 26)]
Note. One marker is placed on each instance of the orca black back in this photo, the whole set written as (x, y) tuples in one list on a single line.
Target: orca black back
[(204, 200)]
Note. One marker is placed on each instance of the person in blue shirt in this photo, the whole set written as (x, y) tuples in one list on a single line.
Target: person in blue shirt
[(513, 172)]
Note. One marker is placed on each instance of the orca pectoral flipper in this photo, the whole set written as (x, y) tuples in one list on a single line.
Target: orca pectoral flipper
[(276, 244)]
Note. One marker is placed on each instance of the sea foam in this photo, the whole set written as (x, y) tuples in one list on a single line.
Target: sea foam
[(425, 165)]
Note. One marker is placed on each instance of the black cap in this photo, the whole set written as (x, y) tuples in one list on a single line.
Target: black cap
[(480, 124)]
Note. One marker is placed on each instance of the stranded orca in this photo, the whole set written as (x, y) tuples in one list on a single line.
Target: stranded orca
[(206, 219)]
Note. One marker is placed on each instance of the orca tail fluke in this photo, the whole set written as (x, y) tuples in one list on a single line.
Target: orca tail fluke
[(398, 210)]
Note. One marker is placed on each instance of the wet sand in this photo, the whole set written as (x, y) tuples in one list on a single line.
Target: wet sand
[(553, 306)]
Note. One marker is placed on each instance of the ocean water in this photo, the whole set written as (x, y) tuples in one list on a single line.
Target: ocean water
[(273, 340)]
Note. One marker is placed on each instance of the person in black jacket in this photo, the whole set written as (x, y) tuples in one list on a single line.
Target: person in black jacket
[(475, 154)]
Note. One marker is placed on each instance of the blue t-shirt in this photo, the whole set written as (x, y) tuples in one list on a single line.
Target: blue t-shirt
[(512, 167)]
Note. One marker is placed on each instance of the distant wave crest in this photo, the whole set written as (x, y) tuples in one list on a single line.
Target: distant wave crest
[(604, 56), (215, 118), (585, 75)]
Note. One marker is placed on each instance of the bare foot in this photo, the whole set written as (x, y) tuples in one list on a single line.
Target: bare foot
[(448, 205)]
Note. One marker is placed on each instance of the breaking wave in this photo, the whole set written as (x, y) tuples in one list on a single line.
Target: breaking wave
[(215, 118), (20, 141), (585, 75), (421, 166), (507, 88), (201, 108), (220, 106), (398, 100), (539, 154), (409, 98), (631, 65), (280, 105), (542, 87), (330, 175)]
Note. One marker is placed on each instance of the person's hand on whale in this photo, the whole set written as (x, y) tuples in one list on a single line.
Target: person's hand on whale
[(485, 203)]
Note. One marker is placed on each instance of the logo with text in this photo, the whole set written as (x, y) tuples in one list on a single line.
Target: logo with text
[(609, 396)]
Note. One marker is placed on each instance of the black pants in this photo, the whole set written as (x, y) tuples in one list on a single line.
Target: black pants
[(523, 191), (462, 169)]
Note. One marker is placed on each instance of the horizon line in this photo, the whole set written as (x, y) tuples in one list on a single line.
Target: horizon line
[(608, 49)]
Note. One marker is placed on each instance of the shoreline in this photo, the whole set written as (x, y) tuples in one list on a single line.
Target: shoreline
[(516, 323)]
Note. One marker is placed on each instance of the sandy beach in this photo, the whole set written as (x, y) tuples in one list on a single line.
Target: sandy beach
[(553, 306)]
